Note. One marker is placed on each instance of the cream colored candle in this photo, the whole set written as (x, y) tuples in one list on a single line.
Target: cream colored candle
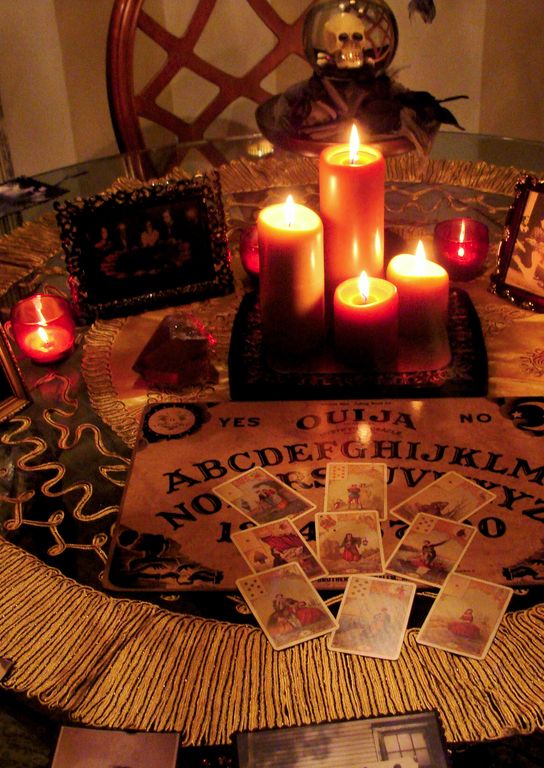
[(423, 288), (291, 278), (351, 192)]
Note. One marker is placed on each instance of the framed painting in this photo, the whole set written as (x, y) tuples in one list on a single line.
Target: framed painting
[(13, 392), (159, 245), (520, 267)]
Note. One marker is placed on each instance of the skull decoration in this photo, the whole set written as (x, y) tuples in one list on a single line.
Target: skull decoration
[(344, 37)]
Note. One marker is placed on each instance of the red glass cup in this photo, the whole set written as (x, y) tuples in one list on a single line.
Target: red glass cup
[(461, 247), (249, 251), (43, 327)]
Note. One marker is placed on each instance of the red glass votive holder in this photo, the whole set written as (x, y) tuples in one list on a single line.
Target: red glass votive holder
[(43, 327), (249, 251), (461, 247)]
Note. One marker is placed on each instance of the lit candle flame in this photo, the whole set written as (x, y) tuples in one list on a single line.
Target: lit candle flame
[(421, 258), (461, 250), (289, 211), (354, 145), (364, 288), (42, 334)]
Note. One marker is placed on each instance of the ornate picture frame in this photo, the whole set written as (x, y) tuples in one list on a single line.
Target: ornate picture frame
[(520, 265), (13, 392), (158, 245)]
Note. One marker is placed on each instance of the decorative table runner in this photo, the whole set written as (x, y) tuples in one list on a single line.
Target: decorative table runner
[(121, 663)]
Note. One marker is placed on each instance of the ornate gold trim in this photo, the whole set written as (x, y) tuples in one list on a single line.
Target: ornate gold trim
[(114, 663)]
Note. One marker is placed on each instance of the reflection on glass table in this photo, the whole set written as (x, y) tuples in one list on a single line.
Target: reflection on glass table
[(92, 176)]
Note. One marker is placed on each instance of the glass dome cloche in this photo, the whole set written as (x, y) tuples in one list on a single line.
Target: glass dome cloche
[(350, 45)]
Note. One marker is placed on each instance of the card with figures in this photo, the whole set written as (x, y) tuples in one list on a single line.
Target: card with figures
[(465, 616), (452, 497), (286, 605), (274, 544), (261, 497), (430, 549), (373, 617), (350, 542), (356, 485)]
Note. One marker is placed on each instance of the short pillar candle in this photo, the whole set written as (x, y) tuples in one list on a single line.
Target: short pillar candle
[(423, 288), (366, 323), (352, 204), (291, 278)]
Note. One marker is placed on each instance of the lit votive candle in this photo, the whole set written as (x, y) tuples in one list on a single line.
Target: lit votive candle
[(461, 247), (423, 288), (366, 322), (43, 327), (291, 278), (351, 192)]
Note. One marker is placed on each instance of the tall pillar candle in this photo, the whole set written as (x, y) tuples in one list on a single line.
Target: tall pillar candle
[(291, 278), (351, 192), (423, 288)]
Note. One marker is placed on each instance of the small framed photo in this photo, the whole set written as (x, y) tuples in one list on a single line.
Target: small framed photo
[(158, 245), (520, 270), (13, 393), (400, 741)]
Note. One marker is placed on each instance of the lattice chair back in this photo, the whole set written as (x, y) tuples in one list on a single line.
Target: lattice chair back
[(184, 71)]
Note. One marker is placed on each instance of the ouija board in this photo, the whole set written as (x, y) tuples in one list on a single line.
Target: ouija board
[(174, 531)]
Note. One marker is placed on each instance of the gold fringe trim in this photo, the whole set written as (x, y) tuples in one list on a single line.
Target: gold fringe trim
[(117, 663), (26, 250), (246, 176)]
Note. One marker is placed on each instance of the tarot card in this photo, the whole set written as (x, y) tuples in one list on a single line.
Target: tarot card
[(350, 542), (356, 485), (452, 496), (286, 605), (373, 617), (465, 616), (430, 549), (257, 494), (274, 544)]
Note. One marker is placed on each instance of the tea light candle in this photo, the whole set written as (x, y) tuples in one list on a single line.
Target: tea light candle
[(291, 278), (461, 247), (423, 288), (351, 192), (43, 327), (366, 322)]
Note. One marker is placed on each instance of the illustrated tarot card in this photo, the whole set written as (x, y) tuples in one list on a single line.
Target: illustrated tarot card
[(430, 549), (373, 617), (286, 605), (261, 497), (465, 616), (274, 544), (452, 496), (356, 485), (350, 542)]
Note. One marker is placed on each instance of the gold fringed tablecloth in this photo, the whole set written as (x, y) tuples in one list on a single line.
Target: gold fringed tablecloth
[(117, 663), (127, 664)]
